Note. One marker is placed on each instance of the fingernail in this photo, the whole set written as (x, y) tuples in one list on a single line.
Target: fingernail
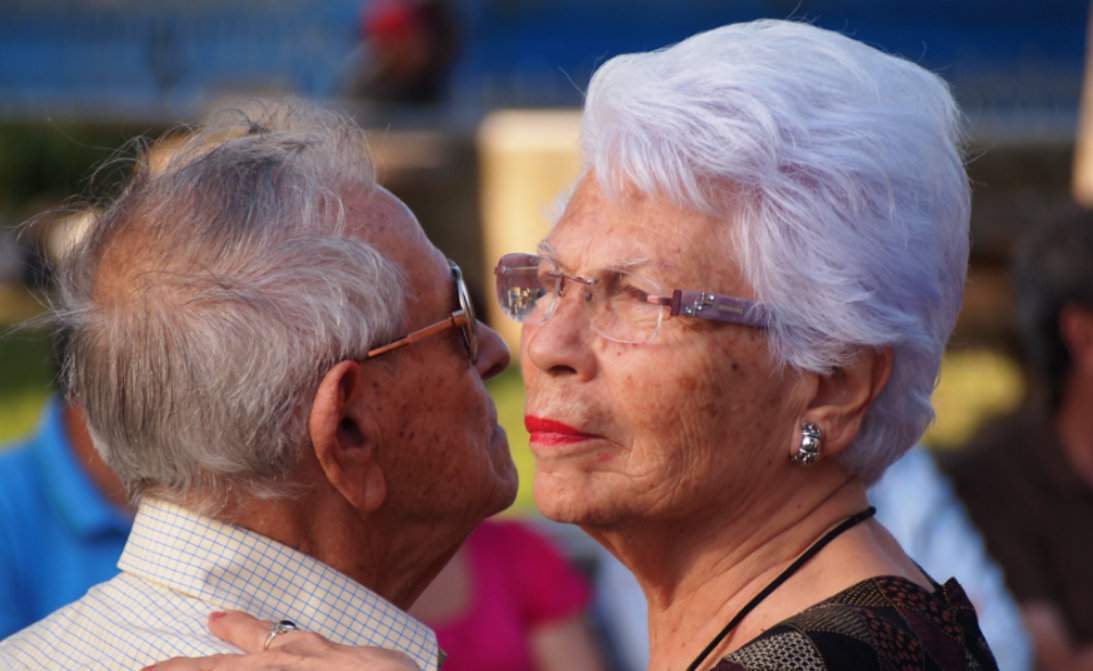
[(213, 617)]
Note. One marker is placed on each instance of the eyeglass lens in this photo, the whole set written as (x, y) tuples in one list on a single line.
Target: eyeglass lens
[(529, 289)]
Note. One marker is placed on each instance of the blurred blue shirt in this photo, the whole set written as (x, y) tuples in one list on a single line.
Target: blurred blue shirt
[(58, 534)]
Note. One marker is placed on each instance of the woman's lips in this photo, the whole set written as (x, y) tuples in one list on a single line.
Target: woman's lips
[(545, 431)]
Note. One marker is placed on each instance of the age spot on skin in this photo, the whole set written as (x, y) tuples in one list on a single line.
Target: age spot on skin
[(689, 383)]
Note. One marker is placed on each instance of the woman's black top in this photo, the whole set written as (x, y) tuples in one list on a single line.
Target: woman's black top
[(880, 623)]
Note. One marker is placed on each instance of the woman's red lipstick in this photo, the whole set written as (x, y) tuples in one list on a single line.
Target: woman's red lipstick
[(550, 432)]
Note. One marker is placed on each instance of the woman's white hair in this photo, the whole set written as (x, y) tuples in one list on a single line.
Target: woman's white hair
[(838, 172), (209, 298)]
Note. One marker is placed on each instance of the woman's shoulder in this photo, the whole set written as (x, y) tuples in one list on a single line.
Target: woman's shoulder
[(880, 623)]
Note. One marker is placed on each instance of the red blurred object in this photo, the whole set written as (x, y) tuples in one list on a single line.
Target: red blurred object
[(412, 45), (389, 19)]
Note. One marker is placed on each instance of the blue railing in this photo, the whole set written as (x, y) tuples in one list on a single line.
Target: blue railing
[(167, 58)]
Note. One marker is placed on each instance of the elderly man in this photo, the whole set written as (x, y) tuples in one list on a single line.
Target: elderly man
[(289, 377)]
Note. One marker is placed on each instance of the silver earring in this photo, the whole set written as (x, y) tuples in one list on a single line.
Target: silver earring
[(811, 441)]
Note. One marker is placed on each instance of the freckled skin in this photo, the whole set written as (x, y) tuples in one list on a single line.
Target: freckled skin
[(697, 422), (445, 457)]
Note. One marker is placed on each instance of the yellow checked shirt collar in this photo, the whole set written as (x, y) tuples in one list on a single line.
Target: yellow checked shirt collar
[(235, 569)]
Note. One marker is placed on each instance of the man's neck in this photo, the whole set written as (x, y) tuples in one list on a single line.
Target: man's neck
[(695, 579), (83, 449), (1074, 423), (393, 561)]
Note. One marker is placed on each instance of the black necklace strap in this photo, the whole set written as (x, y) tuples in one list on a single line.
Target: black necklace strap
[(811, 552)]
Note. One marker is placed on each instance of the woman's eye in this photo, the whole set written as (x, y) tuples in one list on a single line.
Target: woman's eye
[(630, 292), (548, 281)]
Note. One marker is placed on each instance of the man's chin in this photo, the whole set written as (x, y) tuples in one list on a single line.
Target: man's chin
[(506, 484), (509, 490)]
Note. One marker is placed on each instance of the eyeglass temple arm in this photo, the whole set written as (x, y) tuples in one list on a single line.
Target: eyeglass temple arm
[(455, 320), (715, 307)]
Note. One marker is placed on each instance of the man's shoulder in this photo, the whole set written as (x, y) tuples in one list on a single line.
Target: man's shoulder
[(123, 623)]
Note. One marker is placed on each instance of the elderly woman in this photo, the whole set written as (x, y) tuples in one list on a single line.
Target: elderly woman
[(732, 330)]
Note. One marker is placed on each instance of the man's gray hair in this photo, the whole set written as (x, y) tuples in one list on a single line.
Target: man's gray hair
[(840, 170), (211, 296)]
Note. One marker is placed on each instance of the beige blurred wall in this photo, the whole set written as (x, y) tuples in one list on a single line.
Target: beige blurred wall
[(526, 159)]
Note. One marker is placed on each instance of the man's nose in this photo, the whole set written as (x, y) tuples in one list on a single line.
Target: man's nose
[(493, 353)]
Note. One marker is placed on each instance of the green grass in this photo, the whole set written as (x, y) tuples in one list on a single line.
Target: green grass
[(507, 390), (24, 381)]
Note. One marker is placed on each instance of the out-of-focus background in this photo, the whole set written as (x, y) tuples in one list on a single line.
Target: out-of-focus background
[(473, 111)]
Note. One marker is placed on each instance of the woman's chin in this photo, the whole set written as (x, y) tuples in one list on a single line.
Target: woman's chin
[(571, 499)]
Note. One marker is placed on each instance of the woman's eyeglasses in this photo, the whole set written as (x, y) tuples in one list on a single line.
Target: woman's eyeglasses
[(622, 306)]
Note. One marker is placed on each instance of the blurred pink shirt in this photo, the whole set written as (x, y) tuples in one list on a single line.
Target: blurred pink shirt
[(519, 581)]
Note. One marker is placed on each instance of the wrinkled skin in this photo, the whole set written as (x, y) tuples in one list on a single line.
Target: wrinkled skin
[(700, 419)]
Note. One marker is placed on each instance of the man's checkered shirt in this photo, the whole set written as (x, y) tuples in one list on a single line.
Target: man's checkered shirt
[(177, 568)]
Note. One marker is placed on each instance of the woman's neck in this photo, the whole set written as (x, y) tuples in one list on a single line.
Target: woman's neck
[(696, 579)]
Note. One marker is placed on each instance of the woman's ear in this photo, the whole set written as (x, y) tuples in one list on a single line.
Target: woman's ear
[(345, 438), (841, 398)]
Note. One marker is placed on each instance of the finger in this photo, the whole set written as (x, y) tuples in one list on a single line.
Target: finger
[(302, 643), (329, 657), (213, 663), (241, 630)]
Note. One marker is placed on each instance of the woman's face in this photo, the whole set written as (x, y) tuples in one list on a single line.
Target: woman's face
[(699, 419)]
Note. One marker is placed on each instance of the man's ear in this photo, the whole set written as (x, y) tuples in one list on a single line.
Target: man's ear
[(345, 438), (841, 398)]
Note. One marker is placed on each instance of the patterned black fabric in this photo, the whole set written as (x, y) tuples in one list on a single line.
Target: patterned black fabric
[(887, 624)]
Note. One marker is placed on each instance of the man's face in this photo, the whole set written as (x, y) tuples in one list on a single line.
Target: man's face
[(445, 457)]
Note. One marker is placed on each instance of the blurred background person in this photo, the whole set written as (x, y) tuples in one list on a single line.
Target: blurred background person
[(1027, 477), (64, 517), (509, 601), (409, 48)]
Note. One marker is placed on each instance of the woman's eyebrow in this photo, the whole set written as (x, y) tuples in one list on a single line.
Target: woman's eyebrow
[(547, 251), (632, 263)]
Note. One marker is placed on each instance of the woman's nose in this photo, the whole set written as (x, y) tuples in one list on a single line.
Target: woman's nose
[(560, 345)]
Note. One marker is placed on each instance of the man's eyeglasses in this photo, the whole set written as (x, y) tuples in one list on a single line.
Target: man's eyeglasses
[(463, 318), (622, 306)]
